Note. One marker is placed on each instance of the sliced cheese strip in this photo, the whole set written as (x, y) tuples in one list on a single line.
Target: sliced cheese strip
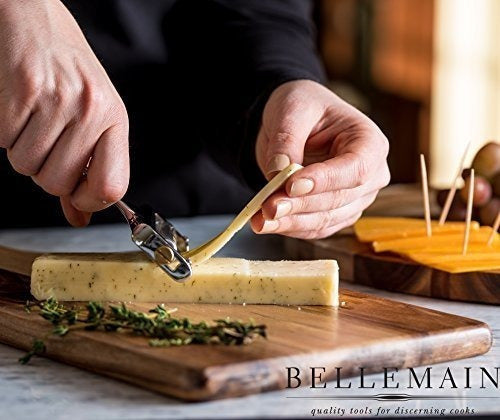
[(480, 236), (458, 263), (454, 248), (457, 257), (208, 249), (369, 229), (132, 277)]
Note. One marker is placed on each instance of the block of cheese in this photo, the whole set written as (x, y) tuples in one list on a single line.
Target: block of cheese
[(132, 277), (369, 229)]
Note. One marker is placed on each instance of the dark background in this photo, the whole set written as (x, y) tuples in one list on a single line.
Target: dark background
[(377, 55)]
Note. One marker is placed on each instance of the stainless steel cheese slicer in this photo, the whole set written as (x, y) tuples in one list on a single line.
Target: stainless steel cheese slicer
[(159, 240)]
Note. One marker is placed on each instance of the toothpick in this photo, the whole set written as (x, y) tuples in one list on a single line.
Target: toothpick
[(425, 191), (453, 190), (468, 215), (496, 225)]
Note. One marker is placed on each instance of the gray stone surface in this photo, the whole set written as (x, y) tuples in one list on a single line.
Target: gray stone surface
[(46, 389)]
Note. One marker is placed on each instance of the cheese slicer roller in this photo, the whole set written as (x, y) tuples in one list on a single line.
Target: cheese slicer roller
[(159, 240)]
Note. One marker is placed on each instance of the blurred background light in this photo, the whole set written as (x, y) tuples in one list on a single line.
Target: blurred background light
[(465, 102)]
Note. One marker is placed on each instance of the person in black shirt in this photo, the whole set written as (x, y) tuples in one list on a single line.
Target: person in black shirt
[(219, 95)]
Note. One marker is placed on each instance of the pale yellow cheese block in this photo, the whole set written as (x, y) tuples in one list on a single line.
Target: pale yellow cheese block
[(132, 277)]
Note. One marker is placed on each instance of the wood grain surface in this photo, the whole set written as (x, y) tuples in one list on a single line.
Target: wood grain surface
[(366, 332), (360, 264), (17, 261)]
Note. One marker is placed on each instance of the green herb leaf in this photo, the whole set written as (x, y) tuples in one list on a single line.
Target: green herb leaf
[(158, 325), (38, 348)]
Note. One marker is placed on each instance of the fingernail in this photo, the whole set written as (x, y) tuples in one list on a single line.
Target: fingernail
[(269, 226), (282, 208), (276, 164), (302, 186)]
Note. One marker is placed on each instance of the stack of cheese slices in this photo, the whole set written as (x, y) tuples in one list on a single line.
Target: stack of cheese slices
[(443, 250)]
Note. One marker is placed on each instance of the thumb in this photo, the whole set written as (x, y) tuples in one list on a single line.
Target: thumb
[(287, 131), (74, 216)]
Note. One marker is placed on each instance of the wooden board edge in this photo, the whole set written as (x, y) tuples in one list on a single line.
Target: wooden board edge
[(243, 379), (217, 382), (57, 349), (17, 261)]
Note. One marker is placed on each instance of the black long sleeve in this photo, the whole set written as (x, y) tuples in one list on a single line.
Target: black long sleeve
[(235, 53), (195, 76)]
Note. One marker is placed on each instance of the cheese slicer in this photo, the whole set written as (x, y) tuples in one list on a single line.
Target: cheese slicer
[(159, 240), (156, 237)]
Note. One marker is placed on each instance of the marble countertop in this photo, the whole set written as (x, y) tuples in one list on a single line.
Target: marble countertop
[(46, 389)]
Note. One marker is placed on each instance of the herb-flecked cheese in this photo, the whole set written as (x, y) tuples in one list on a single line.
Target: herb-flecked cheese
[(132, 277)]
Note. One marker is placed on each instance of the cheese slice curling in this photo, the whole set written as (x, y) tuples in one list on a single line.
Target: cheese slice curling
[(132, 277), (208, 249)]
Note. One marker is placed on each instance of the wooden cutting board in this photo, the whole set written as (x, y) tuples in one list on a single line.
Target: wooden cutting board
[(360, 264), (367, 331)]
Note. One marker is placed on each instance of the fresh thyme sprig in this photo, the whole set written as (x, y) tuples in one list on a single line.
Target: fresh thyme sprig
[(158, 325)]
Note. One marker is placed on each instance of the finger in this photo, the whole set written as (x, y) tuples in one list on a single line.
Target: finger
[(325, 233), (261, 225), (349, 169), (313, 221), (62, 170), (287, 130), (280, 204), (35, 142), (108, 174), (74, 216), (340, 172), (14, 116)]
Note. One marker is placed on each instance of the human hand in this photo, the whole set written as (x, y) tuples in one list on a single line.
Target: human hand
[(58, 109), (344, 154)]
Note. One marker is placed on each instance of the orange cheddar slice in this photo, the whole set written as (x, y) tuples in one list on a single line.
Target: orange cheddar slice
[(443, 250), (369, 229), (437, 242), (458, 263)]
